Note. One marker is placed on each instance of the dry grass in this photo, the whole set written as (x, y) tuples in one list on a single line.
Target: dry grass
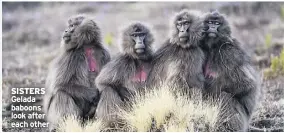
[(70, 124), (94, 126), (157, 105), (276, 67), (73, 124), (159, 110), (163, 110)]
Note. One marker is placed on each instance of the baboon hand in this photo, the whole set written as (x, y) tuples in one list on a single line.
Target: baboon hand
[(93, 96)]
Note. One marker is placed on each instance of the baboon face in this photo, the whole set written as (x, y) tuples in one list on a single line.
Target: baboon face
[(137, 40), (216, 26), (187, 28), (73, 23), (183, 25), (82, 31)]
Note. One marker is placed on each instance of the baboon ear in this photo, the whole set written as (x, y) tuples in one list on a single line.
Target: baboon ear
[(213, 10), (80, 18), (69, 21)]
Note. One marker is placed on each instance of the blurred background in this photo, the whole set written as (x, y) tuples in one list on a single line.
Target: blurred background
[(32, 32)]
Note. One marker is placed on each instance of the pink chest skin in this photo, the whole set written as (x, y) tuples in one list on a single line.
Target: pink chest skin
[(91, 61), (209, 73), (140, 75)]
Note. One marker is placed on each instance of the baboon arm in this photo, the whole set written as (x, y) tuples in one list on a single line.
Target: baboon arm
[(109, 104), (232, 56), (248, 92), (233, 117), (106, 57), (248, 102), (108, 82), (81, 92), (246, 89), (111, 75), (157, 73), (245, 99)]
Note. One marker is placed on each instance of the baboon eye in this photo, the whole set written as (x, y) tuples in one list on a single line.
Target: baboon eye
[(209, 22), (142, 34), (134, 35), (72, 25), (217, 23), (186, 23), (178, 24)]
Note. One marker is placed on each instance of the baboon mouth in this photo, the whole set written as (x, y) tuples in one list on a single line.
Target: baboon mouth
[(140, 50), (211, 34), (184, 38), (66, 36)]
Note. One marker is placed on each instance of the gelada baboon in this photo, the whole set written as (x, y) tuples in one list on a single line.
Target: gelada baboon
[(70, 85), (178, 63), (228, 70), (126, 74)]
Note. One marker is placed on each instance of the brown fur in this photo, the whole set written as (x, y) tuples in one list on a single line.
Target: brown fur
[(70, 85), (228, 70), (115, 82), (177, 64)]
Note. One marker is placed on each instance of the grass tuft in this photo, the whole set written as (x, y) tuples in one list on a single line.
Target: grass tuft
[(268, 40), (276, 67), (163, 110), (73, 124), (70, 124), (94, 126), (160, 109), (108, 39)]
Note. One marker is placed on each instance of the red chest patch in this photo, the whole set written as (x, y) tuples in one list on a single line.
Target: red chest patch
[(140, 75), (209, 73), (91, 60)]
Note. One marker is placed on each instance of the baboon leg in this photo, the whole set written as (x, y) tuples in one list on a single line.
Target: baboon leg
[(109, 104), (232, 117), (61, 105)]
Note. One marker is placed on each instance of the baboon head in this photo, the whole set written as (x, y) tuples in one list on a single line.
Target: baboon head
[(137, 40), (74, 22), (83, 31), (186, 29), (215, 25)]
